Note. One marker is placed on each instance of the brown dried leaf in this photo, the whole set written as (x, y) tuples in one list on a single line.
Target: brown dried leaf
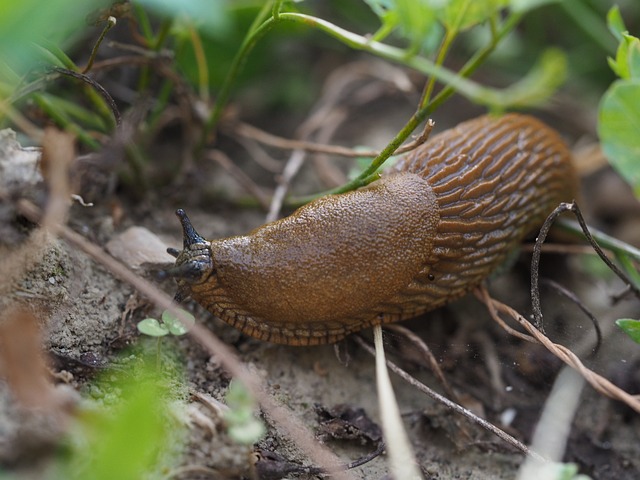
[(22, 362)]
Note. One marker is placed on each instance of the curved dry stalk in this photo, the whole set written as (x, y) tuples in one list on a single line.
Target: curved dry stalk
[(452, 405), (242, 178), (249, 131), (427, 356), (106, 96), (597, 381)]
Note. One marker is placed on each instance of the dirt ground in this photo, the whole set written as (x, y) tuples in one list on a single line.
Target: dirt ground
[(89, 319)]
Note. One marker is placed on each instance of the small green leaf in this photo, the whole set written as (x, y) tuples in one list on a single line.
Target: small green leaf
[(380, 7), (615, 23), (631, 327), (459, 15), (247, 433), (174, 325), (633, 58), (211, 14), (133, 439), (620, 65), (243, 426), (618, 127), (153, 328), (416, 18)]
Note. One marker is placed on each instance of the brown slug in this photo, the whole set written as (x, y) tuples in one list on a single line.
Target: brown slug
[(433, 227)]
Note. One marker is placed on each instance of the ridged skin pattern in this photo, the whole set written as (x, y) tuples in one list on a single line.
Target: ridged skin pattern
[(426, 233)]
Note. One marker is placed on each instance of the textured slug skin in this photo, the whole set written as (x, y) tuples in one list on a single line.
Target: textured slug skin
[(424, 234)]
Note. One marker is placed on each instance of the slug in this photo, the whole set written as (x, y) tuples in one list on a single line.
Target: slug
[(429, 230)]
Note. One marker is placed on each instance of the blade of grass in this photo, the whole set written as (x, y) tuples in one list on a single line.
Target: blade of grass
[(402, 461)]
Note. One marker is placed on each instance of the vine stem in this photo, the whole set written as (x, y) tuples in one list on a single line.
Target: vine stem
[(258, 29), (454, 81), (370, 173)]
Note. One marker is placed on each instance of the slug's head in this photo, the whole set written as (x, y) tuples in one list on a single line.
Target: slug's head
[(193, 263)]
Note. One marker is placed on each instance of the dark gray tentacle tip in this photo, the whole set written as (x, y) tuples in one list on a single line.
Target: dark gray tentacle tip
[(186, 270), (190, 236)]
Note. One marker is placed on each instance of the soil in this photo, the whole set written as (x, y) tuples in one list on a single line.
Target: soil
[(89, 322)]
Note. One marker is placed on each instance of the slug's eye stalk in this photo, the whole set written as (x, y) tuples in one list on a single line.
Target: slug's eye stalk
[(193, 263), (190, 236)]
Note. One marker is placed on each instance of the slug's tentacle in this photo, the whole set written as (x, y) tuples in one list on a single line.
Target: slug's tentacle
[(427, 232), (194, 263), (190, 236)]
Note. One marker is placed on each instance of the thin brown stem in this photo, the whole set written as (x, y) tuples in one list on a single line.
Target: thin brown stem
[(452, 405)]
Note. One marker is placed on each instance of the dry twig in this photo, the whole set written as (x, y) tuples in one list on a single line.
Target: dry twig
[(243, 179), (452, 405), (598, 382), (427, 356)]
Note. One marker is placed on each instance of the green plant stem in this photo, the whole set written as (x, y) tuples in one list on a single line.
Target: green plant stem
[(52, 49), (277, 6), (158, 353), (604, 240), (201, 62), (470, 89), (370, 174), (143, 21), (258, 29), (155, 44), (52, 53), (531, 88), (590, 23), (111, 22), (63, 120), (629, 268), (449, 36)]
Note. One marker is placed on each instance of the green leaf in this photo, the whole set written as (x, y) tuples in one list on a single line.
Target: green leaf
[(627, 47), (243, 426), (625, 259), (153, 328), (631, 327), (380, 7), (615, 23), (416, 19), (174, 325), (618, 128), (23, 22), (247, 433), (525, 5), (132, 438), (459, 15), (211, 15), (129, 444), (633, 58)]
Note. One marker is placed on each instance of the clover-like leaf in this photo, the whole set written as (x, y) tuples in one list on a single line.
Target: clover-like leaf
[(153, 328), (174, 325)]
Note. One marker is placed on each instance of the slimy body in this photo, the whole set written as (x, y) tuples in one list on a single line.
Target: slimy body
[(427, 232)]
